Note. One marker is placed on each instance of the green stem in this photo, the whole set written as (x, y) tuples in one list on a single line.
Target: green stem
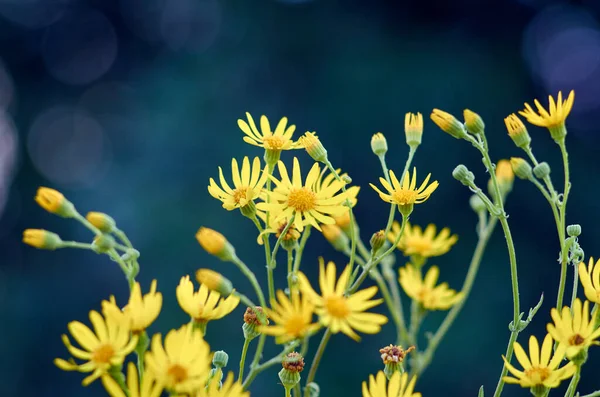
[(279, 240), (118, 376), (411, 154), (256, 369), (574, 382), (466, 290), (563, 210), (290, 269), (575, 284), (114, 255), (417, 314), (75, 244), (300, 249), (86, 223), (267, 257), (123, 237), (317, 360), (252, 278), (395, 311), (288, 391), (243, 358), (593, 394)]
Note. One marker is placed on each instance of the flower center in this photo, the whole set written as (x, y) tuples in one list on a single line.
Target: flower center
[(274, 142), (337, 306), (103, 354), (403, 197), (418, 245), (177, 373), (302, 199), (240, 194), (537, 375), (295, 325), (576, 340)]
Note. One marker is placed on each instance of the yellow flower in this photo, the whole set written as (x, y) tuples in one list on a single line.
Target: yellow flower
[(425, 291), (204, 305), (338, 311), (230, 388), (42, 239), (308, 206), (247, 184), (398, 386), (278, 140), (590, 279), (540, 370), (183, 364), (504, 172), (327, 179), (293, 318), (413, 129), (553, 118), (143, 310), (424, 244), (214, 281), (405, 194), (148, 388), (575, 332), (105, 347)]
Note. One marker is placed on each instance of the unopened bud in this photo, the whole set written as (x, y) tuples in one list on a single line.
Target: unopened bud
[(521, 168), (379, 144), (377, 240), (413, 128), (220, 359), (574, 230), (103, 243), (101, 221), (541, 170), (473, 122), (477, 204), (448, 123), (344, 222), (336, 237), (313, 147), (346, 178), (463, 175), (53, 201), (215, 244), (214, 281), (504, 176), (517, 131), (42, 239)]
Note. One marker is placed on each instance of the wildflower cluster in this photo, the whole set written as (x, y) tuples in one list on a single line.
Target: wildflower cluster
[(285, 205)]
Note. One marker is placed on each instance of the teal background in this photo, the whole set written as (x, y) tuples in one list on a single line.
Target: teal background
[(148, 94)]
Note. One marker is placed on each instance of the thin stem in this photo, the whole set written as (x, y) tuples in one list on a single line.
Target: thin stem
[(317, 360), (593, 394), (288, 391), (279, 240), (466, 290), (123, 237), (574, 382), (575, 284), (267, 246), (417, 314), (86, 223), (114, 255), (563, 210), (252, 278), (75, 244), (290, 269), (243, 358), (394, 311), (300, 249), (256, 369), (411, 154)]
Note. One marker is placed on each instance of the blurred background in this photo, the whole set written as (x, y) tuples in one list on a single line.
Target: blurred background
[(129, 106)]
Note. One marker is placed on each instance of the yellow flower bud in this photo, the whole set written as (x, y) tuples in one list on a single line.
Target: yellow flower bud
[(53, 201), (215, 243), (517, 131), (379, 144), (313, 146), (336, 237), (103, 222), (413, 128), (521, 168), (343, 221), (448, 123), (214, 281), (505, 176), (473, 122), (42, 239)]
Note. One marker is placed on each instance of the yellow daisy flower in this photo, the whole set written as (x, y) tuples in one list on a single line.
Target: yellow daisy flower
[(338, 311), (424, 291), (183, 364), (276, 141), (425, 244), (143, 310), (148, 388), (326, 180), (405, 194), (292, 318), (203, 305), (230, 388), (590, 279), (247, 184), (105, 347), (292, 198), (576, 332), (540, 370), (553, 118), (398, 386)]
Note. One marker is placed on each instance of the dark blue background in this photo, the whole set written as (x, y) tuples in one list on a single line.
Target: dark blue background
[(129, 106)]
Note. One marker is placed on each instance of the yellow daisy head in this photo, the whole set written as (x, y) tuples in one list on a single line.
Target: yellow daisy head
[(147, 388), (553, 118), (424, 291), (272, 141), (143, 310), (405, 194), (575, 332), (399, 385), (104, 347), (337, 311), (183, 364), (247, 185), (230, 388), (423, 244), (292, 318), (293, 198), (538, 369), (590, 279), (203, 305)]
